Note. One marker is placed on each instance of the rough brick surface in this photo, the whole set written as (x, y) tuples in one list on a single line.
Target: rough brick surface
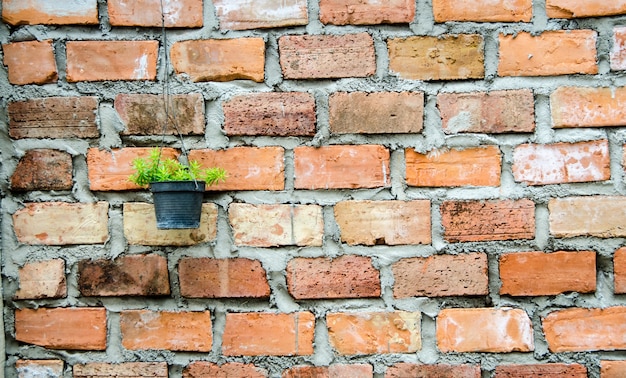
[(618, 51), (332, 371), (43, 169), (576, 9), (483, 11), (201, 369), (42, 279), (247, 14), (121, 370), (39, 368), (30, 62), (32, 12), (177, 13), (619, 271), (601, 216), (451, 57), (541, 370), (588, 107), (404, 369), (441, 275), (368, 12), (612, 369)]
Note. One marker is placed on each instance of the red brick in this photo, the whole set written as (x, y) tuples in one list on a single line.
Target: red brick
[(332, 371), (255, 334), (111, 60), (127, 275), (456, 167), (441, 275), (176, 331), (376, 113), (569, 9), (54, 117), (249, 168), (342, 277), (341, 167), (559, 52), (619, 270), (176, 14), (374, 332), (384, 222), (39, 368), (538, 273), (220, 59), (541, 371), (588, 107), (404, 370), (32, 12), (601, 216), (612, 369), (618, 51), (368, 12), (483, 11), (30, 62), (222, 278), (495, 330), (585, 329), (468, 221), (450, 57), (327, 56), (43, 169), (201, 369), (42, 279), (121, 370), (62, 328), (511, 111), (242, 15), (559, 163), (59, 223), (273, 114)]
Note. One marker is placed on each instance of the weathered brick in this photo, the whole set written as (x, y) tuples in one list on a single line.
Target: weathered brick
[(558, 163), (176, 331), (559, 52), (273, 114), (62, 328), (39, 368), (368, 12), (467, 221), (246, 14), (54, 117), (59, 223), (33, 12), (619, 271), (127, 275), (42, 279), (541, 371), (404, 369), (341, 166), (538, 273), (511, 111), (43, 169), (342, 277), (496, 330), (175, 13), (451, 57), (276, 225), (441, 275), (201, 369), (618, 51), (332, 371), (374, 332), (376, 113), (384, 222), (30, 62), (140, 227), (601, 216), (577, 9), (222, 278), (327, 56), (588, 107), (121, 370), (479, 166), (585, 329), (612, 369), (483, 11), (249, 168), (220, 59), (255, 334), (111, 60)]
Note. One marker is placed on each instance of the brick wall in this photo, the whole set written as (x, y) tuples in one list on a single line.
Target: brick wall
[(417, 188)]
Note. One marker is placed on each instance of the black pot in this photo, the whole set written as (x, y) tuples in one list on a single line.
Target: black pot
[(177, 204)]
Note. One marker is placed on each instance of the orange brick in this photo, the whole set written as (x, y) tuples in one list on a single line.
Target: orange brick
[(62, 328), (327, 56), (588, 107), (30, 62), (404, 370), (376, 113), (619, 271), (220, 59), (39, 368), (121, 370), (618, 51), (201, 369), (177, 331), (585, 329), (42, 279), (612, 369), (176, 14), (483, 11), (43, 169), (384, 222), (332, 371), (559, 163), (559, 52), (601, 216), (538, 273), (450, 57), (255, 334), (441, 275), (374, 332), (32, 12), (341, 166), (467, 221), (541, 371), (242, 15), (569, 9), (456, 167), (496, 330), (368, 12)]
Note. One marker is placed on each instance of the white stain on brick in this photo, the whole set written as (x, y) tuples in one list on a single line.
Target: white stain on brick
[(171, 11), (63, 8), (141, 68), (237, 13)]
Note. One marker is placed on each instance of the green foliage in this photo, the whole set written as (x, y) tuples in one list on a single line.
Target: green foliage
[(156, 169)]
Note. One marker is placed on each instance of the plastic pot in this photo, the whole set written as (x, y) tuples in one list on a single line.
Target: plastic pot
[(177, 204)]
